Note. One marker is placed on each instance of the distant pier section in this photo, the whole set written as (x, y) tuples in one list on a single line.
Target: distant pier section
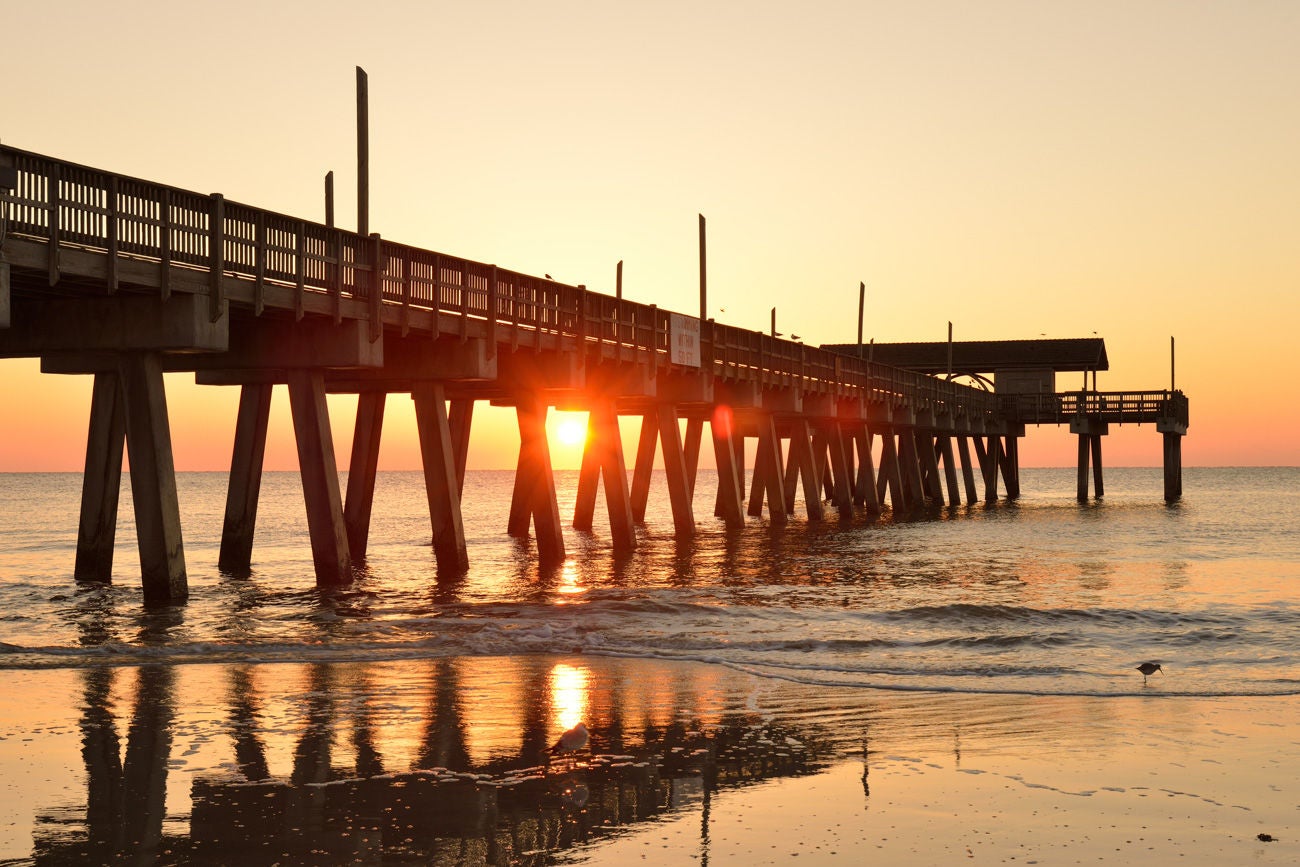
[(123, 279)]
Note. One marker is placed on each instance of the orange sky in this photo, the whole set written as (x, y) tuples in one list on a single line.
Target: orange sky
[(1019, 168)]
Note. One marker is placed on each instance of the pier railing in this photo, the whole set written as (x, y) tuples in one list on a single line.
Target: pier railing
[(1120, 407), (66, 204)]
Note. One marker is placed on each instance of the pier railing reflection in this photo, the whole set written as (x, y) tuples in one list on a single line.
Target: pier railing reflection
[(342, 801)]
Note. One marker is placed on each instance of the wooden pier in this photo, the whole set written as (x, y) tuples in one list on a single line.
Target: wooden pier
[(123, 280)]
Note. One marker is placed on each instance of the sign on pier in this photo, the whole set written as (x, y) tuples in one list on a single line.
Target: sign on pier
[(684, 340)]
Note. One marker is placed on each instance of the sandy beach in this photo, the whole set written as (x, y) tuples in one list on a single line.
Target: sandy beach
[(443, 761)]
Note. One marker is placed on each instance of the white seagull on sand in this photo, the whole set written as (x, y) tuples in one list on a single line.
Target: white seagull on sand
[(571, 741)]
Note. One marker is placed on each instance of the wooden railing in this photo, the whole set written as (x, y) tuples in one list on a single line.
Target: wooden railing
[(68, 204), (1121, 407)]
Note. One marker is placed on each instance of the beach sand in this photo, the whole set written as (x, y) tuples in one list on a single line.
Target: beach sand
[(443, 761)]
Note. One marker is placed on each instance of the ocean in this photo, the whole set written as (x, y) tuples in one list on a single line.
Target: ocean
[(1042, 596), (958, 684)]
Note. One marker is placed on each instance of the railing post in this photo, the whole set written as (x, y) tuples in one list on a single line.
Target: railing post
[(376, 287), (53, 221), (300, 271), (494, 288), (217, 252), (259, 267), (165, 244), (111, 228)]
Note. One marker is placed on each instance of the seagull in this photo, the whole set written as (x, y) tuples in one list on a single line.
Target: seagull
[(571, 741), (1149, 668)]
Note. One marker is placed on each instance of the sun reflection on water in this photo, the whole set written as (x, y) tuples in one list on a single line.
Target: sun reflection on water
[(570, 695)]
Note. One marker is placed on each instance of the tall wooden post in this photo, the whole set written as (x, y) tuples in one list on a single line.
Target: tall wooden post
[(438, 454), (643, 469), (1099, 487), (461, 419), (363, 469), (679, 493), (1011, 466), (613, 469), (801, 459), (245, 483), (1173, 465), (691, 446), (584, 506), (967, 470), (102, 481), (769, 458), (839, 462), (865, 488), (891, 473), (729, 505), (1082, 487), (320, 478), (535, 462), (153, 479), (949, 470), (926, 451)]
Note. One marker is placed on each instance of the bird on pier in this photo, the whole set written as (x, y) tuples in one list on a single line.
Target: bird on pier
[(572, 741), (1148, 669)]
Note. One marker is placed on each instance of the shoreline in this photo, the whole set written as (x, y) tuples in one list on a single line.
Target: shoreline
[(779, 766)]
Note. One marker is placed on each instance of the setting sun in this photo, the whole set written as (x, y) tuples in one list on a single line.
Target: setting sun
[(571, 431)]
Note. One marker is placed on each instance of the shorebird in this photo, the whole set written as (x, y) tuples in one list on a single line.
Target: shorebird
[(571, 741), (1149, 668)]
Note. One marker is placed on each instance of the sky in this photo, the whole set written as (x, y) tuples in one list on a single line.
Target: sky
[(1021, 169)]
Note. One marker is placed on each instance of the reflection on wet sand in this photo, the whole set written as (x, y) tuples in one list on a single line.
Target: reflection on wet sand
[(342, 802)]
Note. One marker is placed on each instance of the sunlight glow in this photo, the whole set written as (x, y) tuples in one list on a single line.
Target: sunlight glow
[(571, 431), (570, 695)]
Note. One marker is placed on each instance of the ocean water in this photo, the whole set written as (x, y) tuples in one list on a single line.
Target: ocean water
[(1044, 596)]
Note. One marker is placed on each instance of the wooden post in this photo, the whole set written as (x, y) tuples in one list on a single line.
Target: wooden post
[(892, 473), (1082, 487), (694, 435), (1173, 466), (967, 470), (153, 479), (949, 470), (866, 480), (584, 507), (461, 419), (992, 458), (926, 451), (730, 506), (535, 459), (704, 276), (245, 483), (757, 482), (363, 153), (769, 457), (438, 454), (363, 468), (320, 478), (910, 467), (801, 458), (521, 495), (613, 469), (1099, 487), (839, 462), (1011, 466), (679, 493), (102, 481), (644, 467)]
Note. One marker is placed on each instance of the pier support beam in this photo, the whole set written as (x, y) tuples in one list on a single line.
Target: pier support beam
[(803, 467), (320, 478), (679, 488), (865, 487), (643, 469), (891, 474), (1173, 466), (102, 481), (730, 504), (602, 457), (949, 470), (769, 474), (461, 418), (438, 454), (1090, 431), (967, 470), (363, 467), (153, 479), (535, 483), (245, 483)]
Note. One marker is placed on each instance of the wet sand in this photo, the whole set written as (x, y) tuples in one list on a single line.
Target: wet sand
[(443, 761)]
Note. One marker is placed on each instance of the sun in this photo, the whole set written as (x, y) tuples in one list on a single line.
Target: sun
[(571, 431)]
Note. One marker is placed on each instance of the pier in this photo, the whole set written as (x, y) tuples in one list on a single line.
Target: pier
[(123, 279)]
